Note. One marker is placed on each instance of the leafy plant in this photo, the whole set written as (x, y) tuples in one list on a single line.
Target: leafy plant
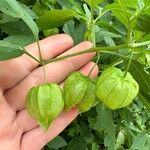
[(119, 31)]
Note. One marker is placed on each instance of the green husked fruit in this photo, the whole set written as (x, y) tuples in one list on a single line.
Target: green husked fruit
[(79, 91), (115, 90), (45, 103)]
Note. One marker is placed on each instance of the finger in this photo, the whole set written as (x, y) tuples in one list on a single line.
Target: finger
[(26, 122), (37, 138), (8, 125), (56, 72), (16, 69)]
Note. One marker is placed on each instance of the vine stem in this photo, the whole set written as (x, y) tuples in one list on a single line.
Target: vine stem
[(141, 44), (93, 37), (128, 65), (42, 62), (27, 53), (39, 49), (94, 64), (97, 49)]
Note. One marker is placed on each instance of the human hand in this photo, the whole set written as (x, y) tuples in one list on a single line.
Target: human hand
[(18, 130)]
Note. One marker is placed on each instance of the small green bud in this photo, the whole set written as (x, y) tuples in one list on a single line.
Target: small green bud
[(79, 91), (45, 103), (115, 90)]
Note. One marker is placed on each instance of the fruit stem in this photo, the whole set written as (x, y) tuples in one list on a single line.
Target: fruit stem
[(42, 62), (27, 53), (128, 65), (98, 58)]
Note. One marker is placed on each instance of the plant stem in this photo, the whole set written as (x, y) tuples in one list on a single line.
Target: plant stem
[(42, 62), (94, 64), (39, 49), (97, 49), (129, 63), (141, 44), (145, 51), (31, 56)]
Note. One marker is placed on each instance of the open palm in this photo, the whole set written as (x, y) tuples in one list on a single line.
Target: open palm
[(18, 130)]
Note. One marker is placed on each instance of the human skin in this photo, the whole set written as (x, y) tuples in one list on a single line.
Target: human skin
[(18, 130)]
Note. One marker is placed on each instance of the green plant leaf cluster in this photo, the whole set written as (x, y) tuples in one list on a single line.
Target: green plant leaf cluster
[(117, 28)]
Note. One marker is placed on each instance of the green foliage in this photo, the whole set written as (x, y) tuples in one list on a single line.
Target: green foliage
[(143, 80), (94, 3), (14, 9), (120, 33), (9, 50), (56, 143), (48, 20)]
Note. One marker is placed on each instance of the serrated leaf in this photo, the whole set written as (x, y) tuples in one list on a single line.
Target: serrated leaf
[(119, 13), (9, 50), (76, 31), (77, 143), (54, 18), (105, 122)]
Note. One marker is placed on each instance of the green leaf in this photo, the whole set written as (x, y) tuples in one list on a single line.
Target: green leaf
[(141, 142), (93, 3), (145, 99), (105, 122), (77, 143), (64, 3), (39, 8), (101, 34), (6, 18), (143, 79), (9, 50), (50, 32), (76, 31), (56, 143), (123, 10), (20, 39), (14, 28), (143, 23), (7, 9), (95, 146), (54, 18), (13, 8), (77, 7)]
